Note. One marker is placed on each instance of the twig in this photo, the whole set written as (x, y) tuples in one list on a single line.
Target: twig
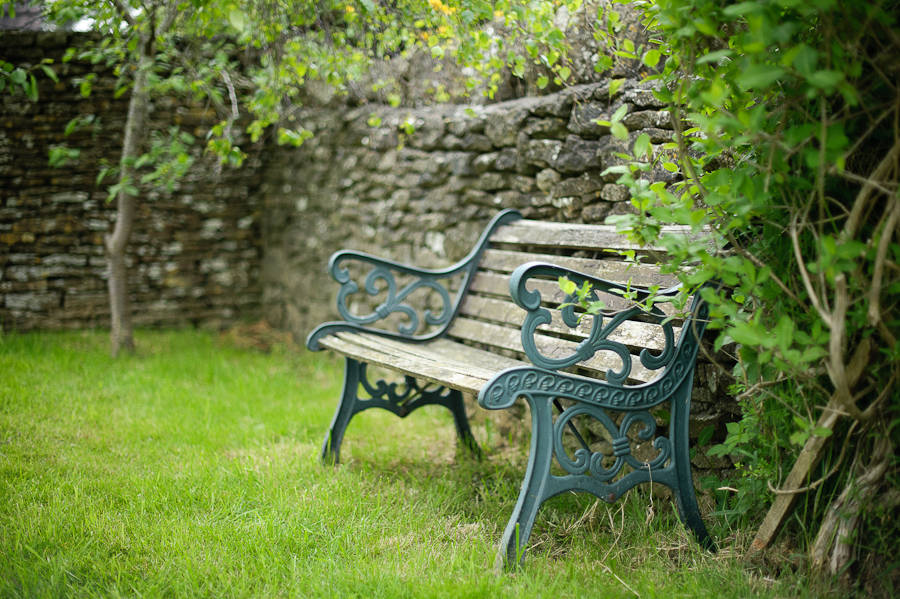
[(815, 484), (879, 185), (851, 228), (874, 310), (804, 274), (624, 584), (870, 411)]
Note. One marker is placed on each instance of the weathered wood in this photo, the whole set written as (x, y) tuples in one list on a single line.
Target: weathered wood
[(634, 334), (551, 347), (575, 236), (494, 284), (431, 362), (615, 270)]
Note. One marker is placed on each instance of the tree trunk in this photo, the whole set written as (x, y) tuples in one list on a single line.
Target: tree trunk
[(835, 541), (121, 333)]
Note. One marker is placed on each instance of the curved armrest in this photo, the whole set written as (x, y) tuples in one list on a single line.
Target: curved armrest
[(380, 279), (603, 323)]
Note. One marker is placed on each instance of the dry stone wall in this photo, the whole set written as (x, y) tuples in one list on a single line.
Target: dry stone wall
[(194, 254)]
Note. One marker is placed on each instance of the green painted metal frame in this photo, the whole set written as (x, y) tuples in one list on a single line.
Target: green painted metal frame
[(542, 386), (400, 399), (380, 279)]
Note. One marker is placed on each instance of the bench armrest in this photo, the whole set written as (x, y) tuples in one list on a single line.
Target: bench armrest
[(380, 279), (603, 324)]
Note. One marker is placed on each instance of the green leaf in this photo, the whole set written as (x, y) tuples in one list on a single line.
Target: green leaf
[(18, 76), (651, 58), (642, 146), (799, 437), (237, 18), (595, 307), (715, 56), (742, 8), (619, 131), (567, 286), (31, 88), (615, 85), (49, 72), (825, 79), (747, 334), (759, 76), (706, 435), (619, 113), (542, 81), (784, 332)]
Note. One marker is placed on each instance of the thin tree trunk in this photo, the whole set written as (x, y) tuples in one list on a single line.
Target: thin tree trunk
[(834, 544), (121, 332)]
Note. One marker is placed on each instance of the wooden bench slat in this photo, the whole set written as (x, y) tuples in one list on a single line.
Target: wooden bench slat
[(574, 236), (631, 333), (551, 347), (498, 285), (370, 349), (612, 270), (443, 352)]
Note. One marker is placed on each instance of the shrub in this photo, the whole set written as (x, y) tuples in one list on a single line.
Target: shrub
[(787, 118)]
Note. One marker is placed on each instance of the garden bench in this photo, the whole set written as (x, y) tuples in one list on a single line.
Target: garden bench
[(497, 324)]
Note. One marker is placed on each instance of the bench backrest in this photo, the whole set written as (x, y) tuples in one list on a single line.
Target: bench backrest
[(488, 316)]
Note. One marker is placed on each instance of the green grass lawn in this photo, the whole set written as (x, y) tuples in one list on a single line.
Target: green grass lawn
[(192, 469)]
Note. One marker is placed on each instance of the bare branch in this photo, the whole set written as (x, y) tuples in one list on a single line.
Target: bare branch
[(836, 367), (818, 482), (851, 228), (804, 273), (874, 311), (878, 185)]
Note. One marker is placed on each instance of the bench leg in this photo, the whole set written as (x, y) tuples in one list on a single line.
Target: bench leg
[(400, 399), (591, 472), (536, 487), (457, 407), (683, 489), (348, 406)]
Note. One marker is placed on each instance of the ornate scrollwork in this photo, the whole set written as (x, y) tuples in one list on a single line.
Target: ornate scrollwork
[(602, 325), (400, 397), (586, 461), (381, 279), (502, 391)]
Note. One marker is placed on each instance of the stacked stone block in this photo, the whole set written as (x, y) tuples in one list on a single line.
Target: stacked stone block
[(194, 253), (417, 185)]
